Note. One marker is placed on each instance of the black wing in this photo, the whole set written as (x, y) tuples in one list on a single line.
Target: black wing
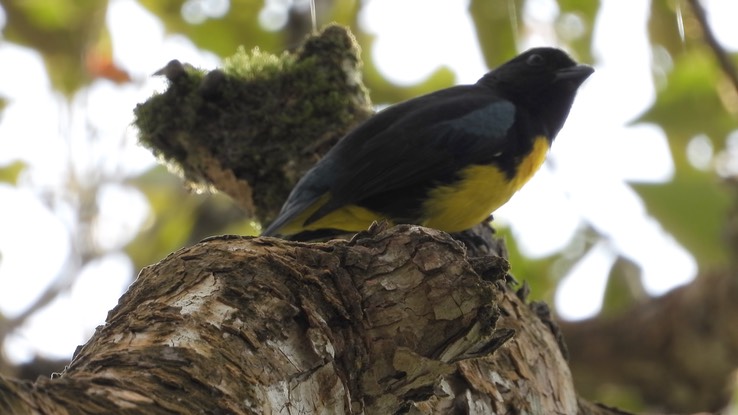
[(400, 153)]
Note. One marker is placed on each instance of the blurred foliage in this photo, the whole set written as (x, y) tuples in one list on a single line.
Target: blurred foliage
[(624, 287), (497, 24), (9, 173), (180, 218), (219, 34), (542, 286), (693, 208), (663, 26), (62, 31), (575, 26), (693, 205)]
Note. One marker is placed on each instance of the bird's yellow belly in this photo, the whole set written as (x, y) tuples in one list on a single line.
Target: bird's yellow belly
[(452, 208), (349, 218), (482, 189)]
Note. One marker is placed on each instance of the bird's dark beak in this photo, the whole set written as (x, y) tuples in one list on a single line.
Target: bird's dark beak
[(575, 74)]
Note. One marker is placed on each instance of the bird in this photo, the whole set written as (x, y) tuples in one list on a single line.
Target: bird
[(446, 160)]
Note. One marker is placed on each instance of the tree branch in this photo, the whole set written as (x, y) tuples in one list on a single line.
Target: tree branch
[(255, 126), (722, 56), (395, 320)]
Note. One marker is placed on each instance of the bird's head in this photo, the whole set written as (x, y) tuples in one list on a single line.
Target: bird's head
[(541, 80)]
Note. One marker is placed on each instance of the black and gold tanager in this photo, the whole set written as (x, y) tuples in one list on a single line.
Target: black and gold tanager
[(445, 160)]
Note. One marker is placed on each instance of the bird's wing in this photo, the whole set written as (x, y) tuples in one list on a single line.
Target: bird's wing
[(323, 177), (308, 190), (418, 143)]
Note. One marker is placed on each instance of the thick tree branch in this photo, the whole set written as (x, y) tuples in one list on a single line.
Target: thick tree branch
[(254, 127), (394, 321)]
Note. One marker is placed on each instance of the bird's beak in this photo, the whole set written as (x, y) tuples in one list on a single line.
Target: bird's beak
[(576, 73)]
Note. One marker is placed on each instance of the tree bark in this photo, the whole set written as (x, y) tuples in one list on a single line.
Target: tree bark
[(396, 320)]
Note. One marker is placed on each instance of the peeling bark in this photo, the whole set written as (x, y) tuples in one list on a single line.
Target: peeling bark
[(396, 320)]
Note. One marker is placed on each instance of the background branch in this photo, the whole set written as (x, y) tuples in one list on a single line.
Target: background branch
[(725, 61)]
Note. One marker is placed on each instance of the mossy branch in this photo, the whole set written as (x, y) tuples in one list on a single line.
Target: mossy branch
[(254, 126)]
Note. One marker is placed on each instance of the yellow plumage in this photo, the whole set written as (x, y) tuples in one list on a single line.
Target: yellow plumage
[(482, 190)]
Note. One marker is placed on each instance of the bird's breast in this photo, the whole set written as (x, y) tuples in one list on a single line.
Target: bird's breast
[(480, 191)]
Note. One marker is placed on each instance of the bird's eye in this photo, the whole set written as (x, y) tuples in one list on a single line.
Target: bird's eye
[(535, 60)]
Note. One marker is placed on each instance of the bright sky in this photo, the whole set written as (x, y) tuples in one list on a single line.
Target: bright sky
[(583, 179)]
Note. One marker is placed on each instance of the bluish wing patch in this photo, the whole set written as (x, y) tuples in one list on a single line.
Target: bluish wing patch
[(492, 120), (479, 135)]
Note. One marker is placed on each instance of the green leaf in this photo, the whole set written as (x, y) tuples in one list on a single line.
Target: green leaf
[(535, 272), (624, 287), (222, 35), (386, 92), (383, 92), (61, 31), (690, 103), (171, 220), (497, 24), (10, 173), (663, 25), (180, 218), (575, 24), (693, 208)]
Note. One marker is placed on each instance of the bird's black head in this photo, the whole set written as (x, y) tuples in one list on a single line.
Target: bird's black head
[(542, 80)]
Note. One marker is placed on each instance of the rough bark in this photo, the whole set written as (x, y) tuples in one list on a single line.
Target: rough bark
[(397, 320), (677, 351)]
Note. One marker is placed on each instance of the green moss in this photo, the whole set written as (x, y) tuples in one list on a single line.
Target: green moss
[(263, 117), (257, 65)]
